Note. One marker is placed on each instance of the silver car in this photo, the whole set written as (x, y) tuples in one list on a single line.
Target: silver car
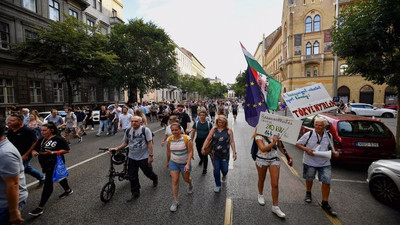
[(363, 109), (384, 181)]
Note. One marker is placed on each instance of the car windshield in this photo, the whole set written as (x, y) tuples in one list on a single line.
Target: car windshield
[(363, 129)]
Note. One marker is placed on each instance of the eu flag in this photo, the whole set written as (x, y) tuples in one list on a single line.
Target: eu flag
[(254, 102)]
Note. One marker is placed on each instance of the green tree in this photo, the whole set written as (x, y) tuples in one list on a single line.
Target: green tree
[(217, 90), (368, 37), (71, 49), (147, 57), (238, 86)]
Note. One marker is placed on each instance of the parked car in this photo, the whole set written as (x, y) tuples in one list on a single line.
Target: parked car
[(60, 113), (391, 106), (96, 116), (363, 109), (384, 181), (357, 139)]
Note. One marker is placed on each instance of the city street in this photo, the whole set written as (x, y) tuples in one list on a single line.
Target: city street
[(88, 168)]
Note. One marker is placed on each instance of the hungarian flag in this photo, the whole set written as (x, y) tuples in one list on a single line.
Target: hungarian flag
[(270, 87)]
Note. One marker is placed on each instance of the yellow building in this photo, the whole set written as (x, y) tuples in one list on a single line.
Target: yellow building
[(299, 53)]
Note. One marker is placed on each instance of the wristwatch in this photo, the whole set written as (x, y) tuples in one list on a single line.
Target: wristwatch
[(151, 155)]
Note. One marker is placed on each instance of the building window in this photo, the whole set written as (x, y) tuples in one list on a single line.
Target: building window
[(316, 48), (343, 69), (317, 23), (98, 5), (308, 48), (105, 94), (5, 35), (73, 13), (35, 88), (6, 91), (116, 94), (92, 94), (308, 24), (308, 71), (29, 4), (94, 3), (76, 93), (58, 92), (114, 13), (315, 71), (54, 10), (29, 35), (90, 23)]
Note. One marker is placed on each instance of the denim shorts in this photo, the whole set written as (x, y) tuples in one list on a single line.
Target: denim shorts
[(324, 173), (176, 166)]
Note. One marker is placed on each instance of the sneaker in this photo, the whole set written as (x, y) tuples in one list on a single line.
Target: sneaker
[(223, 178), (278, 212), (308, 197), (174, 206), (327, 208), (261, 200), (41, 182), (155, 182), (92, 128), (36, 212), (80, 139), (66, 193), (97, 135), (217, 189), (190, 189)]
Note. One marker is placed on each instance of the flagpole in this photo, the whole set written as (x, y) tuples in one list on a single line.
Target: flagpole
[(335, 67)]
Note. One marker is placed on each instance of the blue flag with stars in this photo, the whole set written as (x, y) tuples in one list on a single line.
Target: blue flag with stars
[(254, 102)]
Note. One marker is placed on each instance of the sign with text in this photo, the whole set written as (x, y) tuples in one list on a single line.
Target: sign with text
[(285, 127), (309, 100)]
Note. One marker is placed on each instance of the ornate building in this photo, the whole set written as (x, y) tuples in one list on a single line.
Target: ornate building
[(299, 53)]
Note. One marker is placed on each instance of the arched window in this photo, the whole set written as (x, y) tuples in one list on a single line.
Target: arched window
[(308, 48), (344, 94), (308, 24), (316, 47), (343, 69), (390, 96), (317, 23), (367, 95)]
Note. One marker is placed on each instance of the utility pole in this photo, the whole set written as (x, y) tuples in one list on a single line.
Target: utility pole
[(335, 66)]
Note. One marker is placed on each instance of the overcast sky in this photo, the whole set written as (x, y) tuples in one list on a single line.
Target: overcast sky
[(212, 29)]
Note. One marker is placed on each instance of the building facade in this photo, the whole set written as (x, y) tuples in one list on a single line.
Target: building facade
[(299, 53), (19, 84)]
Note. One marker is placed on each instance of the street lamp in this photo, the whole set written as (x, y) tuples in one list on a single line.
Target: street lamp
[(335, 66)]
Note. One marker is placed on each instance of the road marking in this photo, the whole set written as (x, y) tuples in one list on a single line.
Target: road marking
[(228, 212), (158, 130), (351, 181), (290, 167), (334, 220)]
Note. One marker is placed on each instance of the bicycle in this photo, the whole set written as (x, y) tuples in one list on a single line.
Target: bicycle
[(116, 158)]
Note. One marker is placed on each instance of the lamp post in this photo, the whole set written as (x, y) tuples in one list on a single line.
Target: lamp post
[(335, 66)]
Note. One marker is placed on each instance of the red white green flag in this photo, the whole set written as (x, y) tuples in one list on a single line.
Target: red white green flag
[(270, 87)]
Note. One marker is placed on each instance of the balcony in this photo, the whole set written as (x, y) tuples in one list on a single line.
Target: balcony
[(312, 58), (115, 20), (282, 63)]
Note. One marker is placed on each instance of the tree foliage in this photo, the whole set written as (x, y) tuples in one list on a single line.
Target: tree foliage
[(202, 86), (147, 57), (238, 86), (368, 37), (70, 48)]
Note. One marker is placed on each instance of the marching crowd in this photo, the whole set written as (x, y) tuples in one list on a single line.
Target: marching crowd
[(28, 136)]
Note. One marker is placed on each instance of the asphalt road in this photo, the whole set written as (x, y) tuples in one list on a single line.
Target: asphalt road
[(350, 196)]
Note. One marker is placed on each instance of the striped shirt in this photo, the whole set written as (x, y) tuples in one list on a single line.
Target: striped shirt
[(179, 151)]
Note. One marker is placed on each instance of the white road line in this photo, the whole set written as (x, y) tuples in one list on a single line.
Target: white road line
[(350, 181), (85, 161)]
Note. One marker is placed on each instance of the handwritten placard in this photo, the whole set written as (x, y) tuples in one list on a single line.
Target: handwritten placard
[(309, 100), (286, 128)]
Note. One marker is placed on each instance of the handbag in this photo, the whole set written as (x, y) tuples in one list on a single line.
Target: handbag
[(60, 171), (208, 148)]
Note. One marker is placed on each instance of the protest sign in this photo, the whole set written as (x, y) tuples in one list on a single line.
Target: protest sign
[(309, 100), (285, 127)]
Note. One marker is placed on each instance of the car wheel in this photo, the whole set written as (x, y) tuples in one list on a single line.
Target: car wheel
[(387, 115), (354, 113), (384, 190)]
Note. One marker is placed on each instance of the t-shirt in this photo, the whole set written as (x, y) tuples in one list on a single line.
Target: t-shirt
[(125, 120), (268, 154), (183, 119), (57, 120), (235, 107), (69, 119), (10, 166), (53, 144), (202, 129), (80, 116), (212, 107), (193, 108), (138, 147), (179, 151), (22, 139), (315, 161)]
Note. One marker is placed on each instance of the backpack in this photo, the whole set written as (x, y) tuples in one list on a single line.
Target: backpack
[(185, 139), (143, 133), (329, 134), (208, 125)]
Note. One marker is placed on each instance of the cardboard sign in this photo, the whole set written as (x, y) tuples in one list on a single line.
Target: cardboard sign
[(309, 100), (285, 127)]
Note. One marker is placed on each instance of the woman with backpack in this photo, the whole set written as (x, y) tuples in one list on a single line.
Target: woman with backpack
[(267, 159), (203, 128), (220, 137), (179, 155)]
